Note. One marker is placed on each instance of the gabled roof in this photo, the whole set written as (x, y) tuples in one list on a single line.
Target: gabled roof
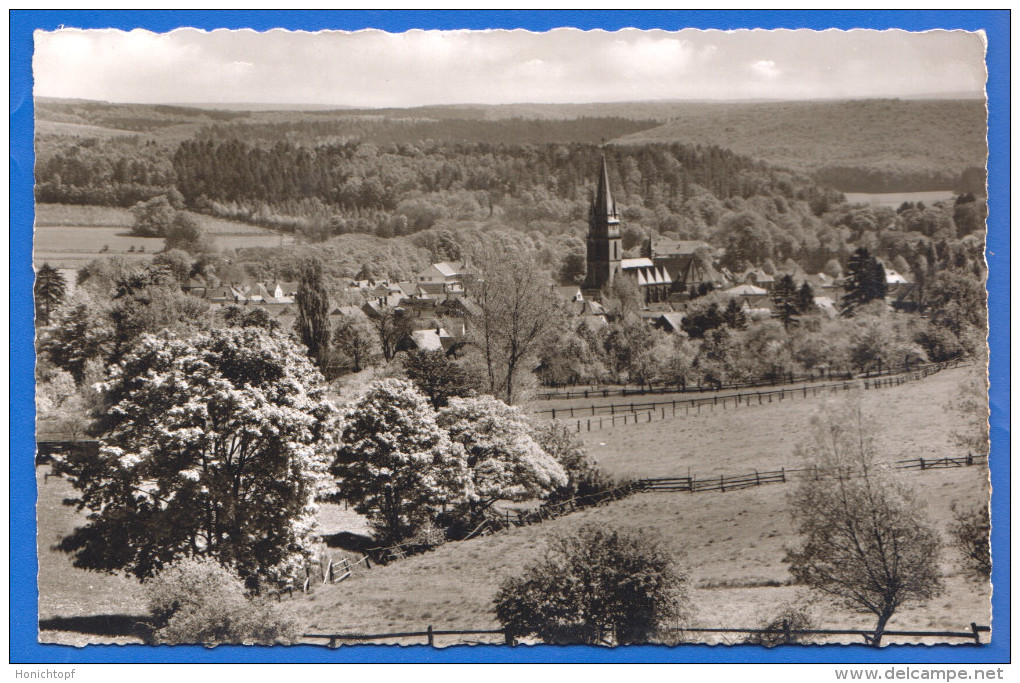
[(431, 339), (745, 290), (447, 268), (668, 247), (636, 263)]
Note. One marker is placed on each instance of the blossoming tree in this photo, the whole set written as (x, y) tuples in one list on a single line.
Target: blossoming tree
[(211, 446)]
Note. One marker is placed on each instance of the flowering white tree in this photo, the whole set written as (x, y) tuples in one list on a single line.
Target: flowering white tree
[(394, 463), (212, 446), (504, 460)]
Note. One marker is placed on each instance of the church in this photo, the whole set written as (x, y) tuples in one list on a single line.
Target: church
[(605, 260)]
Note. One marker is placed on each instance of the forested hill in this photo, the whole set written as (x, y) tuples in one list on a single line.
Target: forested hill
[(851, 145), (854, 146)]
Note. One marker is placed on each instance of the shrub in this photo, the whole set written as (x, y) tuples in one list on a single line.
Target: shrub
[(197, 600), (584, 476), (788, 618), (970, 536), (594, 584)]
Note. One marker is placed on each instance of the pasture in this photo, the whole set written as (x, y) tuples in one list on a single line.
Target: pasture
[(733, 542), (69, 236), (893, 200)]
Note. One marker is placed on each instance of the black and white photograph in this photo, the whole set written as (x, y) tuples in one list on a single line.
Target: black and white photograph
[(509, 337)]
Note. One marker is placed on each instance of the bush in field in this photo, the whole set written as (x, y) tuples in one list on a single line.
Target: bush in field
[(593, 584), (152, 217), (788, 618), (970, 534), (198, 600)]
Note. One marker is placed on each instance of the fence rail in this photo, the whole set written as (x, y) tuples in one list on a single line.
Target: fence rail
[(725, 483), (596, 417), (787, 635), (596, 391)]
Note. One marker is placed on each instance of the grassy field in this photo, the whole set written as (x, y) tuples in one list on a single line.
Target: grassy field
[(909, 421), (69, 236), (733, 542)]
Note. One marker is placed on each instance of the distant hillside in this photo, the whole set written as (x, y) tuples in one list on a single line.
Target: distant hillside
[(855, 146)]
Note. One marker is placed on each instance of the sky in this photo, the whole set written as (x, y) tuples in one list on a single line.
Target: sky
[(379, 69)]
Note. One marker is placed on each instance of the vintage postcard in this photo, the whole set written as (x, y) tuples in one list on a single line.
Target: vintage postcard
[(511, 337)]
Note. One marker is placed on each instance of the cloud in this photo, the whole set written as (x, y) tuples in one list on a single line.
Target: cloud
[(375, 68), (765, 67)]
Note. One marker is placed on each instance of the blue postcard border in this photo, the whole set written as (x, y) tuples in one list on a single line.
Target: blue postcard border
[(23, 563)]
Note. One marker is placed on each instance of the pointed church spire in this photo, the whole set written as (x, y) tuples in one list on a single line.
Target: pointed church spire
[(604, 208)]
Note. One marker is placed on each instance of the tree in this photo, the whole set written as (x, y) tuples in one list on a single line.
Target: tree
[(312, 299), (152, 217), (866, 541), (242, 316), (865, 281), (518, 313), (198, 600), (701, 320), (81, 331), (355, 342), (50, 288), (177, 261), (392, 326), (970, 533), (150, 301), (438, 376), (564, 444), (733, 315), (503, 459), (394, 463), (186, 233), (805, 300), (598, 582), (785, 301), (215, 446)]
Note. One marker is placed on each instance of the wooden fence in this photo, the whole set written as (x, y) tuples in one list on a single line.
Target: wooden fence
[(784, 634), (725, 483), (596, 417), (340, 570), (596, 391)]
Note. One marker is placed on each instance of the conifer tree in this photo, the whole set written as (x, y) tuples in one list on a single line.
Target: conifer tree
[(312, 324)]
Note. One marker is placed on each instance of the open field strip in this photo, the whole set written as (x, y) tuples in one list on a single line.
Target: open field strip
[(909, 421)]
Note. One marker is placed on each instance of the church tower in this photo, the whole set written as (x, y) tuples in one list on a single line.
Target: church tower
[(604, 247)]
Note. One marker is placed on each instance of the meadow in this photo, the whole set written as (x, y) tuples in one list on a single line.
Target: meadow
[(733, 542), (69, 236)]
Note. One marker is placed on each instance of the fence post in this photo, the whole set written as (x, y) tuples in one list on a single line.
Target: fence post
[(722, 484), (508, 638), (329, 572), (554, 413), (782, 471), (922, 462), (757, 479), (432, 640), (786, 632)]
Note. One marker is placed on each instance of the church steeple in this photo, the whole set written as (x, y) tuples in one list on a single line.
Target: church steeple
[(603, 244), (603, 207)]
